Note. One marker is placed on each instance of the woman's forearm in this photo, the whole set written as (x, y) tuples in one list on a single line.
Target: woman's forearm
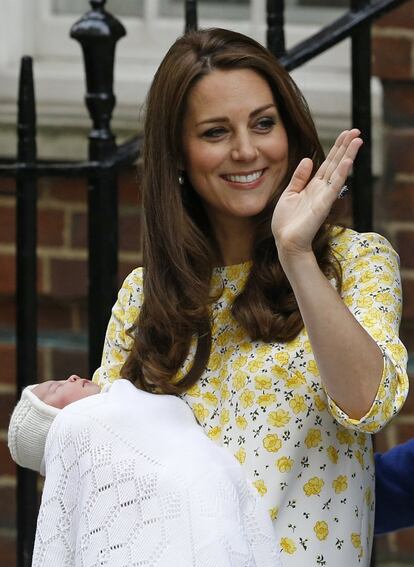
[(349, 361)]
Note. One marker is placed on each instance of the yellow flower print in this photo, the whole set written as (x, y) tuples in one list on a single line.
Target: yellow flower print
[(371, 318), (274, 512), (366, 276), (194, 391), (225, 417), (239, 380), (282, 358), (245, 346), (365, 302), (297, 403), (114, 372), (371, 427), (313, 486), (240, 455), (111, 331), (387, 409), (247, 398), (397, 350), (368, 497), (378, 334), (321, 530), (313, 438), (241, 422), (210, 399), (118, 356), (280, 372), (215, 382), (214, 361), (131, 315), (224, 392), (223, 339), (288, 545), (348, 283), (356, 540), (385, 298), (359, 457), (239, 362), (272, 443), (340, 484), (361, 439), (284, 464), (312, 368), (260, 487), (266, 399), (255, 365), (332, 454), (345, 437), (278, 418), (200, 412), (295, 380), (262, 383), (215, 433), (319, 403), (307, 346)]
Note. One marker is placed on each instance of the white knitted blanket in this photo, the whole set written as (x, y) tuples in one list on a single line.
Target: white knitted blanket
[(132, 480)]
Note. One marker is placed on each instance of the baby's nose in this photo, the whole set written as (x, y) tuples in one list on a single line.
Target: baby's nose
[(73, 378)]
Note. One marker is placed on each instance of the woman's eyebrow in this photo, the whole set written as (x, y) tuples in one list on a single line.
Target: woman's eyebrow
[(225, 119)]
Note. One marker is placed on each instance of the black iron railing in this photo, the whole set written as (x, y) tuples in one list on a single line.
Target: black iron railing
[(98, 32)]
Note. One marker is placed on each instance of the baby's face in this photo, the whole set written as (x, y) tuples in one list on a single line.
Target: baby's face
[(60, 393)]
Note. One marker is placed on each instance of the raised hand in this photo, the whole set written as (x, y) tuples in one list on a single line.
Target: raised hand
[(305, 203)]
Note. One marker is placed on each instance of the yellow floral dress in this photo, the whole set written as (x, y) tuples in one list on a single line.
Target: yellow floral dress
[(265, 402)]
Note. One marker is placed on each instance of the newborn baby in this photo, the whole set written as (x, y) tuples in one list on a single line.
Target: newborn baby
[(35, 412), (131, 478)]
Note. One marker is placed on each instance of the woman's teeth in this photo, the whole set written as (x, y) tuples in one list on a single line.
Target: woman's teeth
[(244, 178)]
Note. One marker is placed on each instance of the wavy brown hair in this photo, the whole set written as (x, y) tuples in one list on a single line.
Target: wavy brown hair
[(179, 246)]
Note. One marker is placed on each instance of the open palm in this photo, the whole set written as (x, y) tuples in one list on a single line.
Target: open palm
[(305, 203)]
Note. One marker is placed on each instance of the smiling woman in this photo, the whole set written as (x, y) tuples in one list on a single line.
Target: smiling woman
[(235, 154)]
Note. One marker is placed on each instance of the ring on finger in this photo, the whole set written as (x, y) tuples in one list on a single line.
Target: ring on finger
[(342, 192)]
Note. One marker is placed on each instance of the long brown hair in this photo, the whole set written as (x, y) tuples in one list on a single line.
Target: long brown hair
[(179, 246)]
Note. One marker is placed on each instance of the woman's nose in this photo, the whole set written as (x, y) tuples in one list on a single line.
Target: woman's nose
[(244, 149)]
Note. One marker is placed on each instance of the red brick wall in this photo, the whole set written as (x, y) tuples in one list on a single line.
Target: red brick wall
[(62, 286), (393, 63)]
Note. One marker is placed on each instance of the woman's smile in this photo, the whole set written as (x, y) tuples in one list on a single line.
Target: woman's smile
[(235, 146)]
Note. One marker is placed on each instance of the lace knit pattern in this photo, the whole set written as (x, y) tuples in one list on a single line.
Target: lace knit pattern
[(132, 480)]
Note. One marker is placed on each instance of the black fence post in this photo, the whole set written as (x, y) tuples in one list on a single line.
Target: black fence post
[(361, 118), (26, 289), (190, 15), (275, 35), (98, 32)]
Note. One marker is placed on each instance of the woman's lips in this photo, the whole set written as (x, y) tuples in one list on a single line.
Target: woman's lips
[(246, 180)]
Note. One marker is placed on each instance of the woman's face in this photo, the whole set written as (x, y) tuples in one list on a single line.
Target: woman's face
[(235, 145)]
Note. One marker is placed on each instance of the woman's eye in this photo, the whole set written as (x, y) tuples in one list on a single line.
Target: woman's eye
[(214, 133), (265, 123)]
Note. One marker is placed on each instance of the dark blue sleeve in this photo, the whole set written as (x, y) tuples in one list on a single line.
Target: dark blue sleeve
[(394, 488)]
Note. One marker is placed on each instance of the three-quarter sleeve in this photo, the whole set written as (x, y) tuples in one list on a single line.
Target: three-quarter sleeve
[(118, 340), (371, 288)]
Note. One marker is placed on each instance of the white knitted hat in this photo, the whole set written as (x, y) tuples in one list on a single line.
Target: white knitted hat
[(29, 425)]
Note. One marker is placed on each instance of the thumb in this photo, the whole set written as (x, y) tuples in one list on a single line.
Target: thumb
[(301, 175)]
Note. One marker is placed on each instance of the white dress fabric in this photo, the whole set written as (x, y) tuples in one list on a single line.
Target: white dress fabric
[(132, 480), (266, 404)]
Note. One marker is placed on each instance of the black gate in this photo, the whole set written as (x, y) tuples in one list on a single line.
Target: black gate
[(98, 32)]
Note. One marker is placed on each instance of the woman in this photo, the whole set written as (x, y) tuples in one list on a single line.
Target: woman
[(278, 329)]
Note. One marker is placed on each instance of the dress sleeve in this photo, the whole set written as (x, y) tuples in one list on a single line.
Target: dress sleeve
[(371, 288), (118, 341)]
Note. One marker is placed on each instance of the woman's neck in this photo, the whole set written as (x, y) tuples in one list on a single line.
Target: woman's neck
[(235, 241)]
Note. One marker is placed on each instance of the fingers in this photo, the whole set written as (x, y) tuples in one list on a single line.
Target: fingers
[(301, 175), (345, 150)]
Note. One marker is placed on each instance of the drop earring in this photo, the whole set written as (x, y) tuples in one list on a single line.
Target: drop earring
[(181, 178)]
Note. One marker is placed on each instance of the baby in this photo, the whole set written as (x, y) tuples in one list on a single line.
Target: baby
[(131, 478), (35, 412)]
